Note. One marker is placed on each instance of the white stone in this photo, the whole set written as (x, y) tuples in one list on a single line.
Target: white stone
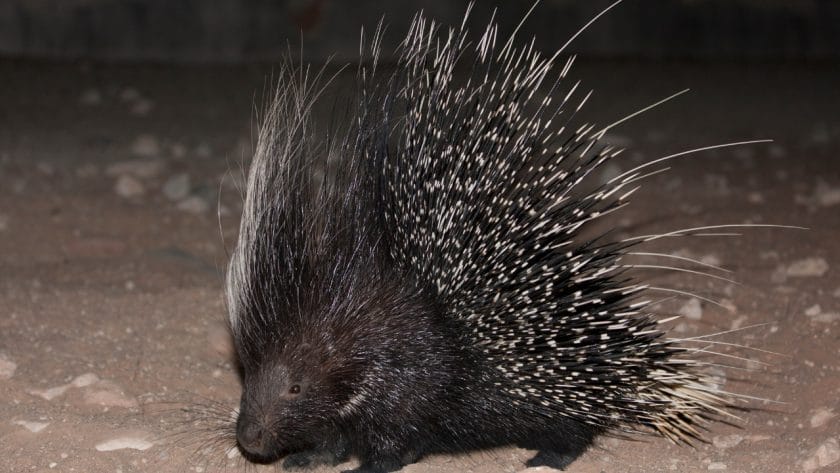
[(32, 426), (130, 94), (692, 309), (145, 146), (727, 441), (84, 380), (50, 393), (136, 441), (91, 96), (194, 204), (106, 393), (7, 367), (813, 310), (828, 453), (177, 187), (808, 267), (142, 168), (142, 107), (128, 186), (821, 417), (827, 196)]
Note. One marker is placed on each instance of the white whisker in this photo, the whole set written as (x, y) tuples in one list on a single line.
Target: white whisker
[(689, 294), (682, 270), (681, 258)]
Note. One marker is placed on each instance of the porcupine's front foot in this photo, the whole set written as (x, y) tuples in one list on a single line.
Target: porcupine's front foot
[(552, 459), (559, 454), (386, 462), (380, 465), (332, 454)]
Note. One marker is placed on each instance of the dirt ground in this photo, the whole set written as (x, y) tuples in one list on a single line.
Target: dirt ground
[(113, 352)]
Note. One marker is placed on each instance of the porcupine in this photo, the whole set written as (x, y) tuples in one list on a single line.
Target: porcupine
[(438, 291)]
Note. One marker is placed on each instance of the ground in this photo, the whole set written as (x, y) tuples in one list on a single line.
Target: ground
[(119, 198)]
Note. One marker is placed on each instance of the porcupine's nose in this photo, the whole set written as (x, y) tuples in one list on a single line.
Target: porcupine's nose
[(252, 439)]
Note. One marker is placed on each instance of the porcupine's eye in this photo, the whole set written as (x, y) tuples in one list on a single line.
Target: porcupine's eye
[(295, 389)]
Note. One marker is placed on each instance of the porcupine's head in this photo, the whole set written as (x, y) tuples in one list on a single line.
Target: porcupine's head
[(305, 285)]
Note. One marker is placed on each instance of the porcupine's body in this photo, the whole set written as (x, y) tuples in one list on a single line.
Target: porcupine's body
[(437, 293)]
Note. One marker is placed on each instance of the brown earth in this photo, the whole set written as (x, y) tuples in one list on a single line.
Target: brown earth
[(111, 308)]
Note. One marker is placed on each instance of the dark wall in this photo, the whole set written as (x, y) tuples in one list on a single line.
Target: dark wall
[(237, 30)]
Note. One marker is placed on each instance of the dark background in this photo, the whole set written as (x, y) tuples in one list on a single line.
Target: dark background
[(125, 126), (243, 30)]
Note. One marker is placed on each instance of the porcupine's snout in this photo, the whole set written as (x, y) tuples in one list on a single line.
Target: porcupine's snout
[(253, 439)]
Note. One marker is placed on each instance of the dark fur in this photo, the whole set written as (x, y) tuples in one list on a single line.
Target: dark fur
[(435, 292)]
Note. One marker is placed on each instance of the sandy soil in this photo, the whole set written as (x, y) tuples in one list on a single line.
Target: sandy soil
[(113, 352)]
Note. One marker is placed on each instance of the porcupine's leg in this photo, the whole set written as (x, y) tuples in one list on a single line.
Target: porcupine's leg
[(379, 458), (329, 453), (559, 449), (378, 464), (552, 459)]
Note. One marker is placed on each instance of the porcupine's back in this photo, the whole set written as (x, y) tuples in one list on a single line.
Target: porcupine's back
[(482, 203)]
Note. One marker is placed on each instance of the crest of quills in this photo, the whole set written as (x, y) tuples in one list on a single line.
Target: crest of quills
[(438, 290)]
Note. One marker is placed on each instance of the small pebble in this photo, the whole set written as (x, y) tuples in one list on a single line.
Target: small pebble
[(177, 187), (813, 310), (109, 394), (745, 152), (827, 196), (46, 169), (717, 466), (7, 367), (610, 171), (32, 426), (203, 150), (808, 267), (142, 107), (816, 314), (692, 309), (621, 141), (135, 441), (50, 393), (87, 170), (129, 187), (130, 94), (777, 151), (828, 453), (91, 97), (727, 441), (178, 150), (194, 204), (820, 134), (142, 168), (145, 146), (712, 260), (755, 198), (821, 417), (84, 380)]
